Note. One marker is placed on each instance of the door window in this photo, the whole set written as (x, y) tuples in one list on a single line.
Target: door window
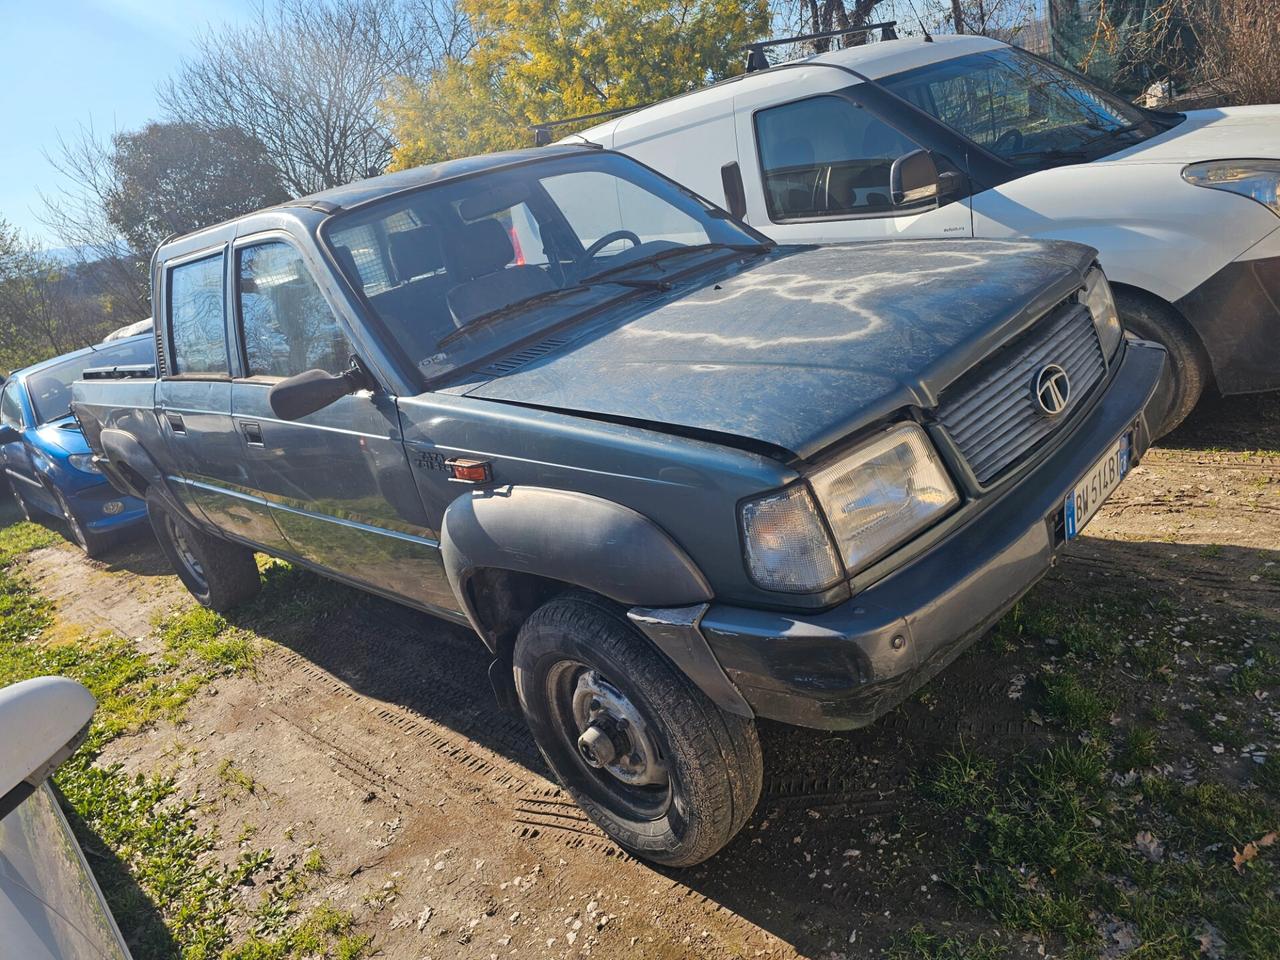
[(825, 157), (196, 311), (10, 408), (288, 326)]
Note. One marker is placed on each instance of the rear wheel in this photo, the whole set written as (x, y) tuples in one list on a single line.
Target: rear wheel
[(660, 768), (93, 544), (1187, 371), (218, 573)]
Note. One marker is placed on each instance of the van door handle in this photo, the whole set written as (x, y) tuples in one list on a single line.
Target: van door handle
[(175, 423), (252, 431)]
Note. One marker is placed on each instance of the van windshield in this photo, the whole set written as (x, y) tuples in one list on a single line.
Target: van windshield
[(464, 270), (1025, 110)]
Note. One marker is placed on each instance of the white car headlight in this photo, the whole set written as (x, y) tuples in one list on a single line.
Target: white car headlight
[(883, 493), (1097, 297), (83, 462), (1256, 179), (787, 545)]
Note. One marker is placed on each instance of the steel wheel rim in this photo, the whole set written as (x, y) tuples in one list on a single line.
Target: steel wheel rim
[(184, 551), (611, 739), (77, 532)]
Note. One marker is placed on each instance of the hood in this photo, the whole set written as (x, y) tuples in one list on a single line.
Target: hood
[(801, 347), (1224, 134), (63, 434)]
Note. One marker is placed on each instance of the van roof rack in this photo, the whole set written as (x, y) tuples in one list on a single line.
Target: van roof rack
[(542, 131), (758, 60)]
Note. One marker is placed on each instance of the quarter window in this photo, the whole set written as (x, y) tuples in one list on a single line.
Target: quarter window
[(196, 309), (288, 326), (826, 157)]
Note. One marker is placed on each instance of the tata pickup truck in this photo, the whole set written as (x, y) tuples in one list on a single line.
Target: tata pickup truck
[(675, 476)]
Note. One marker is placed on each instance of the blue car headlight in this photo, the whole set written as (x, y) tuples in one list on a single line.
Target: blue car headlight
[(83, 462)]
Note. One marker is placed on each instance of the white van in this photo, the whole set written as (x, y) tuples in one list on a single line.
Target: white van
[(969, 137)]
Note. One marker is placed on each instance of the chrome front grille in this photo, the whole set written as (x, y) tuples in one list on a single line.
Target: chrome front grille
[(992, 413)]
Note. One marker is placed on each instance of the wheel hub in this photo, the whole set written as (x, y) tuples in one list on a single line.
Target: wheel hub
[(613, 736)]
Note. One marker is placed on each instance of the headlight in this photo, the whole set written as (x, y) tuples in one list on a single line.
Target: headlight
[(882, 494), (83, 462), (1097, 297), (1256, 179), (787, 546)]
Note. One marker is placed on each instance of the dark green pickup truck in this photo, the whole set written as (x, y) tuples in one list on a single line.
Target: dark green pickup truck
[(675, 476)]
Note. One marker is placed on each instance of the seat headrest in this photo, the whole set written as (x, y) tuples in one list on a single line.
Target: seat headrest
[(415, 252), (484, 247), (347, 263)]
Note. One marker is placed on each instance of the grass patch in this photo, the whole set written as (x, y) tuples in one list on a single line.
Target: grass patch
[(208, 637), (1072, 702), (19, 538), (325, 932), (918, 944)]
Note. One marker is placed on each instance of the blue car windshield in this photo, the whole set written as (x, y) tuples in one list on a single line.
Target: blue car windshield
[(466, 269), (1023, 109), (50, 388)]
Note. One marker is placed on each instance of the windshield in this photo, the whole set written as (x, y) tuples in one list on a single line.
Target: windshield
[(50, 388), (1024, 109), (464, 270)]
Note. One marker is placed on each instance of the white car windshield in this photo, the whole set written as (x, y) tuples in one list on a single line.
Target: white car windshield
[(473, 266), (1024, 109)]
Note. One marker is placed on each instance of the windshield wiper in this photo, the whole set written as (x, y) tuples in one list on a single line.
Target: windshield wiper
[(547, 296), (1129, 128), (1053, 153), (675, 252)]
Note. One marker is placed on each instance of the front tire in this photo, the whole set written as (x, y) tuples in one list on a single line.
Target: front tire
[(667, 774), (218, 573), (1187, 372), (93, 544)]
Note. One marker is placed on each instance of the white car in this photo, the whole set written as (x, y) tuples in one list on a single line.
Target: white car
[(969, 137)]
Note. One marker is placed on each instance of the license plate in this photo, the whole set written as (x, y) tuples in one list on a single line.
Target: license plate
[(1103, 477)]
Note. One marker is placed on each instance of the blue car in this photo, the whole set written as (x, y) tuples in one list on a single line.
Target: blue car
[(46, 459)]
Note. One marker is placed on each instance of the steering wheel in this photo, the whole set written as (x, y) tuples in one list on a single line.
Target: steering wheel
[(589, 254), (1010, 139)]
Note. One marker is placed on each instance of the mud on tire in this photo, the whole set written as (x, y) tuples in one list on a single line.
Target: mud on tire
[(219, 574), (710, 759)]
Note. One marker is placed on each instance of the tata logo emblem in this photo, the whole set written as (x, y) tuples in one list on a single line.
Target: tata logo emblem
[(1052, 389)]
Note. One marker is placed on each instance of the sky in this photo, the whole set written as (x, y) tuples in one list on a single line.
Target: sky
[(64, 63)]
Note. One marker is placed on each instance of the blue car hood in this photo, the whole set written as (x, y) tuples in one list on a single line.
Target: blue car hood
[(54, 437), (801, 347)]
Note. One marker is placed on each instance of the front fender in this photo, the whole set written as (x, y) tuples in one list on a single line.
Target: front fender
[(579, 539)]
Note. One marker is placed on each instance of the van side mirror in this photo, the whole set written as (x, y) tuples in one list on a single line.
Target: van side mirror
[(43, 720), (304, 393), (913, 179), (735, 194), (8, 434)]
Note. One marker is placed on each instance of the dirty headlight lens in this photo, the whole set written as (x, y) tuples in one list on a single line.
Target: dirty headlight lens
[(1097, 297), (83, 462), (787, 547), (1256, 179), (883, 494)]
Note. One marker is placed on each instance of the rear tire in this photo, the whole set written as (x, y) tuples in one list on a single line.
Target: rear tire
[(692, 772), (1187, 372), (219, 574)]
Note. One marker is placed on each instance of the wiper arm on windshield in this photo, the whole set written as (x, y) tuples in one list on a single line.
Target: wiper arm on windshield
[(675, 252)]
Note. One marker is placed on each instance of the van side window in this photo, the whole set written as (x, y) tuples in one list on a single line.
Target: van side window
[(10, 409), (824, 157), (288, 326), (196, 309)]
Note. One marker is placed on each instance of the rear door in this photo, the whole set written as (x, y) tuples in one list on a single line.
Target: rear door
[(338, 480), (193, 400), (816, 170)]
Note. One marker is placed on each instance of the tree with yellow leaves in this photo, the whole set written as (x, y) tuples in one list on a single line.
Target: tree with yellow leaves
[(541, 60)]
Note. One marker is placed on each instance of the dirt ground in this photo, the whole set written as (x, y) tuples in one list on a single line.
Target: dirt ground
[(368, 731)]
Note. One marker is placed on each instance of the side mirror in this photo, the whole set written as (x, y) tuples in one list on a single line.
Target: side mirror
[(304, 393), (735, 194), (913, 179), (43, 720), (8, 434)]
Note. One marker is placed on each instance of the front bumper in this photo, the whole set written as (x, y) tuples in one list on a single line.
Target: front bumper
[(849, 665), (89, 503)]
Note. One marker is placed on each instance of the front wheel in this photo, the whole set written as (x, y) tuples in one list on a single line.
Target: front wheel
[(218, 573), (667, 774), (1187, 371), (93, 544)]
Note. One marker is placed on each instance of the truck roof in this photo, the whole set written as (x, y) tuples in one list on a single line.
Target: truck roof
[(869, 61)]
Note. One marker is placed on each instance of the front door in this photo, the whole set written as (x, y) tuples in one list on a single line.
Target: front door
[(193, 404), (338, 480), (16, 456), (816, 170)]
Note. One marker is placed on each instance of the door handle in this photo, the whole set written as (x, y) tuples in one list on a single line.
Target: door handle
[(252, 431), (175, 422)]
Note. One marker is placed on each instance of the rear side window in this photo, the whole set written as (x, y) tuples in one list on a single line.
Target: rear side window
[(196, 310), (288, 326), (825, 157)]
